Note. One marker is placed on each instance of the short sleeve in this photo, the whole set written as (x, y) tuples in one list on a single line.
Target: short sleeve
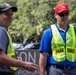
[(3, 39), (45, 45)]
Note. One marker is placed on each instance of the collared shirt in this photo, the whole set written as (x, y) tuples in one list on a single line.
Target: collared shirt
[(4, 41), (46, 47)]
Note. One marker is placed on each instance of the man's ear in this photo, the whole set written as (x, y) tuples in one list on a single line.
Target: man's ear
[(55, 15)]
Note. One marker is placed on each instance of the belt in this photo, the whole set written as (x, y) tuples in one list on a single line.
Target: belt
[(62, 67)]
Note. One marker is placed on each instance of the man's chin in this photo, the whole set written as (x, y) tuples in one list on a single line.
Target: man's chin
[(62, 23)]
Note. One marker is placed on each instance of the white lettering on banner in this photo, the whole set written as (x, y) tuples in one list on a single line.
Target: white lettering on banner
[(30, 56), (25, 72), (25, 55)]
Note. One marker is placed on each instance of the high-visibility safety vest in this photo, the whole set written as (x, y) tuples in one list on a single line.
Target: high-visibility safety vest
[(10, 51), (61, 50)]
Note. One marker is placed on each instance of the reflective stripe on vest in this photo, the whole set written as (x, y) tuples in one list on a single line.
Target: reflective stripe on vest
[(62, 51), (11, 52)]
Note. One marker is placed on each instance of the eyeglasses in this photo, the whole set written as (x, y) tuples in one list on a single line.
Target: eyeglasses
[(63, 14)]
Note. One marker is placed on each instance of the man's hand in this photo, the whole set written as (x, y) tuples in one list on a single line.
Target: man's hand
[(31, 66)]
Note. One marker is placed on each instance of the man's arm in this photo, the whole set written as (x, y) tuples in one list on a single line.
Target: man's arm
[(42, 62), (4, 59)]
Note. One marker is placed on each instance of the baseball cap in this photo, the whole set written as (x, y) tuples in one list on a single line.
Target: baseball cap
[(6, 6), (61, 7)]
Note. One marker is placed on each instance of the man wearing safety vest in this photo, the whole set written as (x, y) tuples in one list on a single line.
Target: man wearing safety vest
[(58, 45), (8, 62)]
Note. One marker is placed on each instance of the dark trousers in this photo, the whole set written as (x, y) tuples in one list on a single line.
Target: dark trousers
[(60, 71), (5, 73)]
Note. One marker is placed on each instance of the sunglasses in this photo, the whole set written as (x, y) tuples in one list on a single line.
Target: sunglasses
[(63, 14)]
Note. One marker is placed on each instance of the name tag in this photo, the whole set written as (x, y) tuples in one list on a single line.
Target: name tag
[(60, 50), (70, 50)]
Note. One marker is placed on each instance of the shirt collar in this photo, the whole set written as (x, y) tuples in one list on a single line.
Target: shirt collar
[(61, 28), (1, 25)]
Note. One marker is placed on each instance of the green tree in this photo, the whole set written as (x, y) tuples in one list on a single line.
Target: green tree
[(34, 16)]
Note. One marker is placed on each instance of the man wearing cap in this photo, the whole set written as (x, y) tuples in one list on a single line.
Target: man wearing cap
[(8, 62), (58, 46)]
